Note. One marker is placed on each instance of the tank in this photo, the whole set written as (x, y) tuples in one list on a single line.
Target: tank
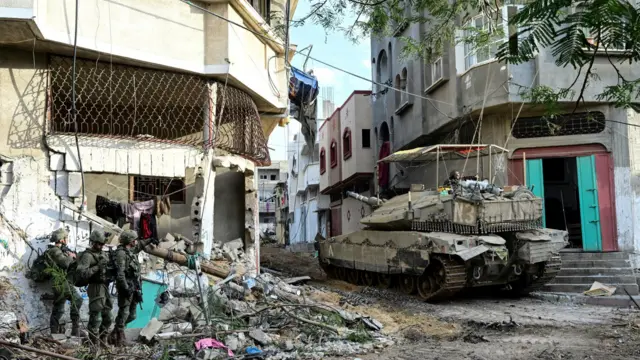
[(438, 242)]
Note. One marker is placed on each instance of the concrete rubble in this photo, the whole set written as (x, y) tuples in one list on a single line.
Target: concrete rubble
[(266, 318)]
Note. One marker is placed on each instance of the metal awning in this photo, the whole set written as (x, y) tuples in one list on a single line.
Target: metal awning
[(450, 151)]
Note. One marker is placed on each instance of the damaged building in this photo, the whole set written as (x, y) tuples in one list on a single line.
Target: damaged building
[(158, 111)]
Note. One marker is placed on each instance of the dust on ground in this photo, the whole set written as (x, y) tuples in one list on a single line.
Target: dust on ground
[(295, 264), (477, 328)]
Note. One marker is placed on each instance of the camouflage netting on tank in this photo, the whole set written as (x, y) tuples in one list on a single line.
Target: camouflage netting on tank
[(238, 125)]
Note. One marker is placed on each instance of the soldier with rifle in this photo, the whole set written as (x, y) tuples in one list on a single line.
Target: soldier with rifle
[(59, 256), (128, 282), (93, 268)]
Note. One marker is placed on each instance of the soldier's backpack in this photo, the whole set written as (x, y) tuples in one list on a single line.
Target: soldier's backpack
[(80, 281), (38, 271)]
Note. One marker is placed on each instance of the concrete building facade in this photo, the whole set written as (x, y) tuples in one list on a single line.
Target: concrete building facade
[(170, 101), (305, 218), (347, 162), (268, 179), (582, 162)]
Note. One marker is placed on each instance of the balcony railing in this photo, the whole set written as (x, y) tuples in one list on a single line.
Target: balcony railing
[(266, 206)]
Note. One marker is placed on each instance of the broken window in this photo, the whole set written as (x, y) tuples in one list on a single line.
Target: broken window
[(149, 187), (366, 138), (323, 161)]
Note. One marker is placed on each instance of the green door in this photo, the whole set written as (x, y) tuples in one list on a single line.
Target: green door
[(148, 309), (535, 179), (589, 207)]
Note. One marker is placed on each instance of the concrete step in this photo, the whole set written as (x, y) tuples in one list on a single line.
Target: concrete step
[(568, 264), (580, 288), (607, 280), (594, 256), (592, 271)]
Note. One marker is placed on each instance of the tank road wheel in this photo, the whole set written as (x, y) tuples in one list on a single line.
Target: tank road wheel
[(385, 281), (329, 270), (369, 278), (426, 286), (353, 276), (408, 284)]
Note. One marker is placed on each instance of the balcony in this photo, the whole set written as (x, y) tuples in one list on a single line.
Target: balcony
[(312, 175), (163, 34), (267, 207)]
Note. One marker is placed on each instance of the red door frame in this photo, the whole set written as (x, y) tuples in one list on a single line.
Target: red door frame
[(604, 171)]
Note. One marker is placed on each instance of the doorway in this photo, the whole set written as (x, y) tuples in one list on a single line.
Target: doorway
[(569, 188), (561, 197)]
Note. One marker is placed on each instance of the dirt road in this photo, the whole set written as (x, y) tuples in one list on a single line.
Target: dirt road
[(477, 327)]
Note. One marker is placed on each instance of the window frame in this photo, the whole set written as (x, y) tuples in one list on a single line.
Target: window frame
[(435, 79), (176, 197), (362, 134), (323, 160), (470, 54), (347, 143), (333, 153)]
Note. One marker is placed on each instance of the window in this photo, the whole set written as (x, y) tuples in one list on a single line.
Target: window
[(561, 125), (273, 177), (148, 187), (436, 70), (482, 25), (323, 161), (263, 177), (346, 143), (334, 153), (366, 138)]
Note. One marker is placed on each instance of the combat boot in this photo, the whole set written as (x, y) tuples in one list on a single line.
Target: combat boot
[(122, 337), (104, 339)]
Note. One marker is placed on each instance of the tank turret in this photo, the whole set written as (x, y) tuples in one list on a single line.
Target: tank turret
[(370, 200)]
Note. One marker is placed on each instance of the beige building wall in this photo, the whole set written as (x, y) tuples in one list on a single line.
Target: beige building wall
[(355, 114)]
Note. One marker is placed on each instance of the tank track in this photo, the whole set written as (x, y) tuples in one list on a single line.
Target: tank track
[(455, 280), (549, 272)]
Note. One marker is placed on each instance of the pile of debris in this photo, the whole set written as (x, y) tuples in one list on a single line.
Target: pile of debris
[(264, 318)]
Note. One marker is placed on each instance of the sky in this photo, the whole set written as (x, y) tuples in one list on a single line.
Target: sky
[(332, 48)]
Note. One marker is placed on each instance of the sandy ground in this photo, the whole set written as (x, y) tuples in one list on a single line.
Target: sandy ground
[(476, 327)]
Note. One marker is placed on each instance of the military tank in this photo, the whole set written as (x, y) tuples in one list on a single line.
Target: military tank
[(438, 242)]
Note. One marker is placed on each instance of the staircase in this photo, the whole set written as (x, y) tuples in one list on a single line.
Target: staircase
[(580, 270)]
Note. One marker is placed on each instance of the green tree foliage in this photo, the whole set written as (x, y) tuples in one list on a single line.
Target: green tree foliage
[(575, 32)]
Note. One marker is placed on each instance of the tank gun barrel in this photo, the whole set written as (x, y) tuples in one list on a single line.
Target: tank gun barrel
[(371, 200)]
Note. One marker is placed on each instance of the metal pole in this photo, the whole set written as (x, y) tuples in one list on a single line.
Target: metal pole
[(437, 169), (203, 299), (524, 167), (490, 146)]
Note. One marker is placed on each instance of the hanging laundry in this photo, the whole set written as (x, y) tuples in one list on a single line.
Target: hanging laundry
[(108, 210), (133, 211), (163, 205), (148, 226), (383, 168), (303, 87)]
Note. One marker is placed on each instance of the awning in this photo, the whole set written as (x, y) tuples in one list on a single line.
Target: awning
[(448, 151)]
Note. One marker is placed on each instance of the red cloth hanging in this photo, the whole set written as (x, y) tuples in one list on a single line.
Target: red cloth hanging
[(383, 168)]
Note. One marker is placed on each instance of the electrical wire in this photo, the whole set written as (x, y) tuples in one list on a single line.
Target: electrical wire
[(73, 105), (431, 101)]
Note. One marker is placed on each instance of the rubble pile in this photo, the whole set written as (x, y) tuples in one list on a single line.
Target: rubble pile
[(265, 318)]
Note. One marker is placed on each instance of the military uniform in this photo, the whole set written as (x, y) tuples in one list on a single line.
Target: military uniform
[(92, 265), (128, 282), (59, 256)]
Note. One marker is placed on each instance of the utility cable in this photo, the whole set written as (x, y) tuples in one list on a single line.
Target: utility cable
[(74, 112), (431, 101)]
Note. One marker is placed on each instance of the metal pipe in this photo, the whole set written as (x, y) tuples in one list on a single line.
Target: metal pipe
[(524, 168)]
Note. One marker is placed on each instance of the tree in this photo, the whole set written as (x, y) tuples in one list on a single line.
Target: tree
[(575, 31)]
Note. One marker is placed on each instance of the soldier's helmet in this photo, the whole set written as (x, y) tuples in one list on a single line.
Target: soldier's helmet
[(128, 236), (97, 237), (59, 235)]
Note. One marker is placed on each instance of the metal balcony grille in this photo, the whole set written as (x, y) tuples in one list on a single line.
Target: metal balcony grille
[(561, 125), (129, 102), (239, 128)]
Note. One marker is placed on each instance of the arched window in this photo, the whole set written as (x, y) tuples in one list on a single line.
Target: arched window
[(323, 161), (346, 143), (382, 69), (334, 153)]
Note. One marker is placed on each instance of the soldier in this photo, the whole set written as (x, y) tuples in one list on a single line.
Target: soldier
[(92, 266), (62, 257), (128, 282), (453, 179)]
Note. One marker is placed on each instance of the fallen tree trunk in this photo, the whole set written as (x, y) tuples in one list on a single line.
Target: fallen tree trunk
[(220, 269)]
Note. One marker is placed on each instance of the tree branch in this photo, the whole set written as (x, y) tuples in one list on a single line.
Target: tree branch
[(586, 75)]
